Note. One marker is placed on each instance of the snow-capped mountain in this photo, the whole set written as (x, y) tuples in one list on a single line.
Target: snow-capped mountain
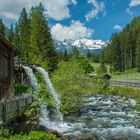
[(84, 45)]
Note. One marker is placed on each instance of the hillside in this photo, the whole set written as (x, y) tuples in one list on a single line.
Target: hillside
[(123, 51)]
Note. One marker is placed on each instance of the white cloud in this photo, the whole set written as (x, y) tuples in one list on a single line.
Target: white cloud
[(56, 9), (98, 7), (75, 31), (74, 1), (134, 3), (117, 27), (128, 10)]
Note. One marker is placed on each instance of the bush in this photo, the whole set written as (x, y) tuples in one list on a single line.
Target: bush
[(22, 89), (71, 83), (102, 69)]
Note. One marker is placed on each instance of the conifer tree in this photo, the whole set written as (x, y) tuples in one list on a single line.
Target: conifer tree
[(124, 47), (16, 36), (138, 52), (75, 53), (41, 43), (1, 27), (24, 34), (11, 33), (65, 55)]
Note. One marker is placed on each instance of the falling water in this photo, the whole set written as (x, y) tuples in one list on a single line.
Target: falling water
[(31, 76), (52, 91), (101, 117)]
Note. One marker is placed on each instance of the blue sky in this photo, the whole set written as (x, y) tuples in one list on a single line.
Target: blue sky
[(74, 19)]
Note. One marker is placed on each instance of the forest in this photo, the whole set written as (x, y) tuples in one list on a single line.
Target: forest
[(123, 50), (70, 72)]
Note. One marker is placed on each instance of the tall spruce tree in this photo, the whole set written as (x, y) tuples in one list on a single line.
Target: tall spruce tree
[(16, 36), (138, 52), (41, 43), (1, 27), (128, 50), (65, 55), (11, 33), (24, 34), (75, 53)]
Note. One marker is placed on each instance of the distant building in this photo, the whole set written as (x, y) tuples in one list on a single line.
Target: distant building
[(7, 54)]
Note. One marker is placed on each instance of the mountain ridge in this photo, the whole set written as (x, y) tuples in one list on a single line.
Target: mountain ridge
[(84, 45)]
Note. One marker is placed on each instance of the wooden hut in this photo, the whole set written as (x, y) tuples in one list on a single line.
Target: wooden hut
[(7, 54)]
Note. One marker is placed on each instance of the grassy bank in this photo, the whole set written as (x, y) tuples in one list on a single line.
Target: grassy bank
[(128, 75), (34, 135), (71, 83)]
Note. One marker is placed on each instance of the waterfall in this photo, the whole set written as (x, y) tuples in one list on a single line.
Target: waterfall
[(31, 76), (55, 96)]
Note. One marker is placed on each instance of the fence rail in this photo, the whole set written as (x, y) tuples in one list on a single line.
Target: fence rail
[(13, 107), (132, 83)]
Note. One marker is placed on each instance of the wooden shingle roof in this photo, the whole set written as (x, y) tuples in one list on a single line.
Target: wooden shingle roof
[(7, 43)]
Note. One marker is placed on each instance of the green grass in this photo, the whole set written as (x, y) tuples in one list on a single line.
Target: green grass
[(97, 65), (34, 135), (131, 74)]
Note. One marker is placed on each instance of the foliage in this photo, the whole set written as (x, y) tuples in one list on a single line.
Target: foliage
[(123, 51), (11, 33), (41, 43), (71, 83), (24, 34), (22, 89), (34, 135), (33, 113), (101, 69), (1, 27), (15, 39), (138, 52), (32, 35)]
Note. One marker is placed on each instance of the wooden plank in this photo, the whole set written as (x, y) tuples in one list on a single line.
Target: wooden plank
[(13, 107)]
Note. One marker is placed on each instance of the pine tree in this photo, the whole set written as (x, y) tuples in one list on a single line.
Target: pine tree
[(65, 55), (138, 52), (127, 53), (116, 58), (41, 43), (75, 53), (24, 34), (89, 54), (1, 27), (16, 36), (11, 33)]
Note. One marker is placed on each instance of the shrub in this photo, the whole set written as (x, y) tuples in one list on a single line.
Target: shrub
[(71, 83), (101, 69)]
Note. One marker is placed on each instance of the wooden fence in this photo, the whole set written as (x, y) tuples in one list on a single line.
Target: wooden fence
[(13, 107), (132, 83)]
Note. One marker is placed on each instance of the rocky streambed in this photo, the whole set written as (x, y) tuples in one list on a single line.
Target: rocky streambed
[(102, 118)]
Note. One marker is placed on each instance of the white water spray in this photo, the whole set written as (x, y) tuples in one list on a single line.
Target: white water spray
[(31, 76), (55, 96)]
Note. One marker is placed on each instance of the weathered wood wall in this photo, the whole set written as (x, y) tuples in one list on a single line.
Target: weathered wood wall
[(6, 70), (13, 107)]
